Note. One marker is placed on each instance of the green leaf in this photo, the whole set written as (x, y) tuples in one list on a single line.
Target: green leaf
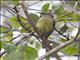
[(1, 43), (63, 40), (8, 36), (78, 47), (9, 47), (63, 28), (37, 45), (22, 53), (14, 23), (58, 10), (73, 49), (30, 53), (14, 55), (3, 29), (24, 21), (15, 2), (34, 18), (45, 8), (70, 50), (26, 24)]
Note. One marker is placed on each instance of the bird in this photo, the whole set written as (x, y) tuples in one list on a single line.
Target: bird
[(45, 25)]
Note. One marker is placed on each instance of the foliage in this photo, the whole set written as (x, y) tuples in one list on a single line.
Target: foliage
[(45, 7)]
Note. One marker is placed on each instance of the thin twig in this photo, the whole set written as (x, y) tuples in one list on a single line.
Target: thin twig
[(34, 9), (62, 34), (21, 40), (58, 19), (77, 34), (1, 54), (9, 10), (73, 25), (33, 3), (14, 38)]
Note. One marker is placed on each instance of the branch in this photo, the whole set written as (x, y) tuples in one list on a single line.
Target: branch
[(14, 38), (55, 49), (10, 11), (77, 33), (1, 54), (73, 25), (23, 39), (33, 9), (34, 3)]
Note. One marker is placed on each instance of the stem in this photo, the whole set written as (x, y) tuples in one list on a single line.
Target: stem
[(62, 34)]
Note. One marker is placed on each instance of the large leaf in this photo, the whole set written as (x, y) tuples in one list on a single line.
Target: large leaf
[(63, 28), (24, 21), (34, 18), (58, 10), (22, 53), (70, 50), (4, 29), (31, 53), (45, 7), (8, 36), (9, 47), (1, 45), (15, 2), (25, 24), (14, 23), (14, 55)]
